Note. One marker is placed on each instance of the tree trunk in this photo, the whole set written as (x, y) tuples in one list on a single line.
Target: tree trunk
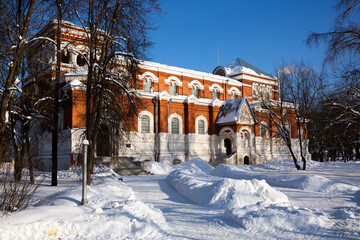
[(55, 133), (293, 157)]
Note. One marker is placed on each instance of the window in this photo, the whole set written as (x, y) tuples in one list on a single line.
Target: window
[(233, 95), (263, 131), (65, 57), (145, 124), (175, 126), (172, 88), (195, 91), (302, 133), (288, 128), (147, 85), (215, 94), (201, 127), (176, 161), (80, 60)]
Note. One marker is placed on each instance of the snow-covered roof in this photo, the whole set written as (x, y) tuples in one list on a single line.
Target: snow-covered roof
[(74, 84), (240, 66), (230, 110)]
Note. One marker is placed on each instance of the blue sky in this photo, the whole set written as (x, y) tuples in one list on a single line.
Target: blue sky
[(265, 33)]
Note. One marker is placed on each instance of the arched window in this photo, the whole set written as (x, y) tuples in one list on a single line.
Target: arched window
[(175, 126), (215, 94), (147, 85), (172, 88), (80, 60), (195, 91), (263, 131), (234, 92), (145, 124), (201, 127), (65, 56)]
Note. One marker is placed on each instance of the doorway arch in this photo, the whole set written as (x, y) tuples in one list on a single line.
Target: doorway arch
[(227, 145), (103, 142), (246, 160)]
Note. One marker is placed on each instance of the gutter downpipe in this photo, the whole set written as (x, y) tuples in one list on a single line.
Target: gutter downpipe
[(167, 113), (167, 119), (157, 137)]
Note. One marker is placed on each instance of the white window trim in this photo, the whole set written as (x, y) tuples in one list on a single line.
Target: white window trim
[(201, 117), (234, 90), (173, 79), (148, 75), (175, 115), (151, 117), (196, 83), (216, 87)]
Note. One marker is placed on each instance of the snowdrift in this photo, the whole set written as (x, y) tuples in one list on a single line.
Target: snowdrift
[(204, 189), (249, 203), (112, 213), (312, 183), (283, 217)]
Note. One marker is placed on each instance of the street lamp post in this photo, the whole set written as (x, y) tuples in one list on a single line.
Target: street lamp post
[(85, 144)]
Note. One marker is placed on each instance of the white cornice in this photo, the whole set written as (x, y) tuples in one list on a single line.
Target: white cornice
[(270, 81)]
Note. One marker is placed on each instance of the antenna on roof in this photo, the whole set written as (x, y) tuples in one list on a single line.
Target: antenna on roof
[(218, 53)]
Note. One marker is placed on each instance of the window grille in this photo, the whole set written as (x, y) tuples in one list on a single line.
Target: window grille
[(175, 126), (145, 124), (201, 127)]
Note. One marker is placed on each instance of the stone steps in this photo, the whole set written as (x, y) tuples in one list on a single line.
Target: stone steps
[(126, 167)]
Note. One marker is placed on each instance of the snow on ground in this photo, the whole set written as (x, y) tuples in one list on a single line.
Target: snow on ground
[(219, 192), (195, 164), (323, 202), (192, 200), (112, 212)]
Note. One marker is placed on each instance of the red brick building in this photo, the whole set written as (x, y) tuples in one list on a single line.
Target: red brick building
[(184, 113)]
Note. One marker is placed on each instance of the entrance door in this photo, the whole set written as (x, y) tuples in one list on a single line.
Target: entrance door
[(227, 143), (246, 160)]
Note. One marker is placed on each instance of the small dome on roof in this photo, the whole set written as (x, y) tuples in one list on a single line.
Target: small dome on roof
[(240, 66)]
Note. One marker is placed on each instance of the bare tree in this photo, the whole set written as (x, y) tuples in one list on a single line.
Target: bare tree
[(343, 45), (278, 114), (17, 26), (302, 86), (343, 38), (116, 33)]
